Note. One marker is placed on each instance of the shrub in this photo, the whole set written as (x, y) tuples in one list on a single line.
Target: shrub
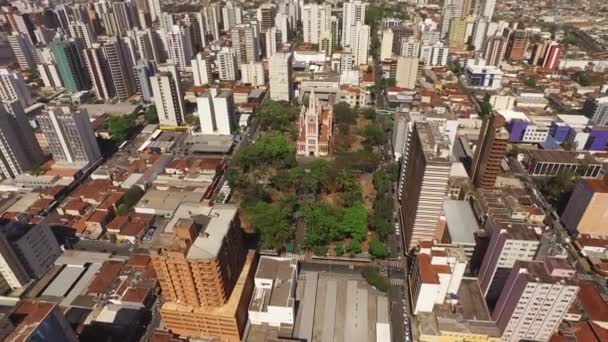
[(320, 250), (375, 279), (339, 249)]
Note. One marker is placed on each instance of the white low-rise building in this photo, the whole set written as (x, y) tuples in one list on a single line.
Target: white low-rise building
[(273, 299), (483, 76)]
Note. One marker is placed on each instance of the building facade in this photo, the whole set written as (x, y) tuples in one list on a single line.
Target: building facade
[(491, 150), (315, 128)]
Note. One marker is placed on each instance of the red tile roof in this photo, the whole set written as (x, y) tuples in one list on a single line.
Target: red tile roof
[(105, 277), (592, 302), (136, 295)]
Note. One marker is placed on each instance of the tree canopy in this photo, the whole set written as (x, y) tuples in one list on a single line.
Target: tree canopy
[(344, 114), (277, 115), (325, 223), (150, 115), (120, 127), (272, 222)]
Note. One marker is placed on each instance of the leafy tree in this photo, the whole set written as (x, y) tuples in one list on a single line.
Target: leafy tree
[(369, 114), (581, 78), (557, 189), (192, 120), (568, 40), (354, 222), (132, 196), (37, 170), (277, 115), (569, 145), (377, 249), (344, 114), (272, 222), (486, 108), (392, 171), (530, 82), (150, 115), (120, 127), (321, 222), (373, 135), (354, 247), (122, 209), (381, 218), (366, 161), (320, 250), (271, 149), (339, 249), (375, 279)]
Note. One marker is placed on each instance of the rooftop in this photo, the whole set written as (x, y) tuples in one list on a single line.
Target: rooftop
[(281, 272), (565, 157), (207, 245), (461, 221), (434, 145)]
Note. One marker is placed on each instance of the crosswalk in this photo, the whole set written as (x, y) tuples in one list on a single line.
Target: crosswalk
[(394, 263)]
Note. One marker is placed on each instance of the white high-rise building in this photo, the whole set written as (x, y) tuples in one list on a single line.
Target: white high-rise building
[(316, 20), (212, 16), (13, 87), (49, 75), (360, 42), (245, 43), (352, 13), (147, 45), (452, 9), (407, 72), (155, 9), (271, 41), (18, 145), (386, 46), (410, 47), (216, 113), (23, 49), (201, 70), (232, 15), (253, 73), (179, 48), (226, 64), (70, 136), (280, 76), (83, 31), (282, 23), (434, 55), (480, 27), (168, 96), (488, 9)]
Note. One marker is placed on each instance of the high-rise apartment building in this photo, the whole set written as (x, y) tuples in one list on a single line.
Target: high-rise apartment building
[(70, 136), (66, 54), (23, 49), (509, 242), (226, 64), (49, 75), (195, 23), (253, 73), (179, 47), (280, 76), (555, 52), (426, 183), (407, 72), (232, 15), (142, 73), (168, 96), (201, 70), (596, 109), (495, 50), (386, 45), (353, 12), (517, 43), (120, 68), (265, 16), (35, 320), (13, 87), (534, 300), (281, 21), (84, 32), (206, 276), (146, 42), (452, 9), (99, 73), (587, 208), (26, 250), (244, 43), (270, 39), (20, 150), (216, 112), (213, 17), (487, 9), (410, 47), (457, 33), (315, 21), (491, 150), (359, 44)]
